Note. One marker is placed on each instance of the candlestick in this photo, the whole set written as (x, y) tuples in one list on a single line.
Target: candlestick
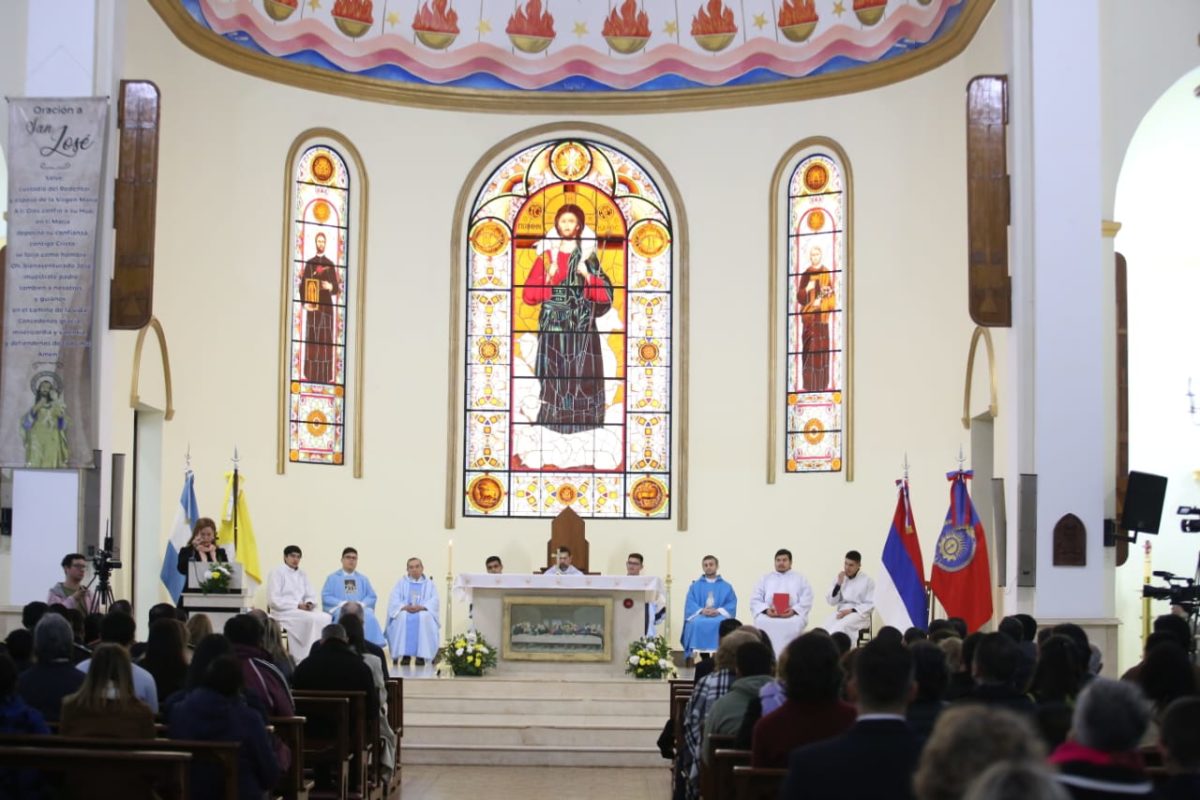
[(668, 559), (450, 558)]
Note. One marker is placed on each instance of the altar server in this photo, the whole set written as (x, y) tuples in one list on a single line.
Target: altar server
[(781, 602), (656, 609), (853, 598), (292, 601), (349, 584), (709, 600), (413, 617)]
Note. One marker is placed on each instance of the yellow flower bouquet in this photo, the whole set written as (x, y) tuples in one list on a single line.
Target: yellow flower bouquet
[(216, 578), (650, 658), (468, 654)]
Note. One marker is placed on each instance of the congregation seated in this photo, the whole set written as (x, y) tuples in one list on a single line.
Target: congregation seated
[(106, 705), (754, 665), (1166, 675), (1101, 759), (930, 675), (1167, 627), (1180, 746), (91, 629), (198, 626), (52, 677), (260, 677), (165, 655), (215, 711), (333, 665), (19, 647), (879, 752), (369, 647), (272, 643), (157, 611), (962, 680), (994, 667), (16, 716), (812, 712), (81, 650), (706, 665), (356, 638), (1057, 678), (118, 628)]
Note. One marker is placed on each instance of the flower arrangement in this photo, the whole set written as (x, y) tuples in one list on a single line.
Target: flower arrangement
[(650, 658), (467, 654), (216, 578)]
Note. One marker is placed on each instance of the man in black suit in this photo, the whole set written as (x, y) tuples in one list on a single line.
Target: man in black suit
[(334, 666), (878, 756)]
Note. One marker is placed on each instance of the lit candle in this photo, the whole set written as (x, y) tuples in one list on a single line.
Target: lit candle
[(450, 558)]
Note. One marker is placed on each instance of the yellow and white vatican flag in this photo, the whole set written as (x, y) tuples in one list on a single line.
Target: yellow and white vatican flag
[(237, 532)]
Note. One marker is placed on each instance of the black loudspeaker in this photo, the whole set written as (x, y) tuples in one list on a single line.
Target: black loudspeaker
[(1143, 502)]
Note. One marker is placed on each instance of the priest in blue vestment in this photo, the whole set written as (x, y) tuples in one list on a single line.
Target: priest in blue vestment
[(413, 617), (709, 600), (348, 584)]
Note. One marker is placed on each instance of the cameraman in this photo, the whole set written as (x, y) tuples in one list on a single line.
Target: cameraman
[(71, 592)]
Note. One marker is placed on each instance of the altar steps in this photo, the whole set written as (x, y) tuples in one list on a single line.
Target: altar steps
[(540, 721)]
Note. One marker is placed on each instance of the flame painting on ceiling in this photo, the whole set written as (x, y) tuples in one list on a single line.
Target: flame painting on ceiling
[(715, 52)]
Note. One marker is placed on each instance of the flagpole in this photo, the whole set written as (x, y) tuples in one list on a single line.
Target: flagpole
[(235, 498)]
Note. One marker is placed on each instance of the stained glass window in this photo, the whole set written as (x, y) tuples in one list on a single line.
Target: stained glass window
[(320, 242), (816, 314), (568, 339)]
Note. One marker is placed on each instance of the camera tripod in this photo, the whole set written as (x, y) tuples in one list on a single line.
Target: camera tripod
[(102, 599)]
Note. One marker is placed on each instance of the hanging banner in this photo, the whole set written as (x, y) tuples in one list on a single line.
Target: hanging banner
[(55, 164)]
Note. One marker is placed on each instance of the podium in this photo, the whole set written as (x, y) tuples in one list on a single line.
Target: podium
[(218, 605)]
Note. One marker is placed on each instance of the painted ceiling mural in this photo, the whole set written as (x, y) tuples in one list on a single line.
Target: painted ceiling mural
[(580, 48)]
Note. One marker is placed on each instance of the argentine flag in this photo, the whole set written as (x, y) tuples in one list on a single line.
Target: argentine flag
[(181, 532), (900, 598)]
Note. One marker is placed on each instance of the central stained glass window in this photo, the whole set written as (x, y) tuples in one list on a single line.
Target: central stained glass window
[(568, 358)]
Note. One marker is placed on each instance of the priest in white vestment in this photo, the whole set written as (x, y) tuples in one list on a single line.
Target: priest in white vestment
[(292, 601), (656, 609), (414, 614), (781, 602), (563, 564), (853, 599), (349, 585)]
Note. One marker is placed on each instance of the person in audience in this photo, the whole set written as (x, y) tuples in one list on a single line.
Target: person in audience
[(880, 751), (1079, 636), (812, 712), (19, 718), (356, 638), (215, 711), (847, 693), (494, 565), (914, 635), (118, 628), (931, 676), (1029, 627), (123, 606), (1166, 674), (70, 591), (167, 655), (1027, 656), (889, 633), (707, 664), (770, 697), (272, 642), (157, 611), (753, 665), (19, 645), (106, 705), (1177, 627), (75, 618), (52, 677), (994, 668), (962, 681), (292, 600), (960, 626), (198, 626), (710, 602), (842, 641), (952, 647), (781, 602), (31, 614), (348, 585), (1016, 780), (1179, 743), (334, 665), (414, 612), (1043, 634), (207, 650), (1101, 759), (1095, 663), (853, 598), (1056, 682), (939, 625), (706, 693), (259, 675), (369, 647), (966, 740), (91, 629)]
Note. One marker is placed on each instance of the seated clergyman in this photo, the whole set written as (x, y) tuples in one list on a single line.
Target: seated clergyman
[(413, 617)]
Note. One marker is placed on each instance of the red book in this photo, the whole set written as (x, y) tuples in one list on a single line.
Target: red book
[(780, 601)]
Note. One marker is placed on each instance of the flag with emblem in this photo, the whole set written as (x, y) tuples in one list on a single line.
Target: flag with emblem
[(186, 515), (961, 577), (237, 533), (900, 597)]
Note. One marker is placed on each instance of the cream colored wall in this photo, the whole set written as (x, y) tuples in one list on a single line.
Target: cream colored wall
[(224, 138)]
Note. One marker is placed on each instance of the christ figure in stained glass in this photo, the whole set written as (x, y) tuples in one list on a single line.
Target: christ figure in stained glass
[(816, 299), (567, 283), (319, 285)]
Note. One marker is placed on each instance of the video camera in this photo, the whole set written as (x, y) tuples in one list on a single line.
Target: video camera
[(102, 560), (1179, 591), (1189, 525)]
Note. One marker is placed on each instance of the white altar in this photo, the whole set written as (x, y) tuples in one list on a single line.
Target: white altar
[(219, 606), (628, 595)]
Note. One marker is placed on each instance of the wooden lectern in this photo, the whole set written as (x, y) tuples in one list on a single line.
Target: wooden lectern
[(567, 531)]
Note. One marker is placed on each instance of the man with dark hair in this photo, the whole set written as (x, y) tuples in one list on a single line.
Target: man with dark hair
[(19, 646), (781, 602), (852, 596), (994, 668), (353, 609), (842, 641), (880, 751), (1164, 631), (656, 608), (754, 663), (292, 601), (119, 628), (494, 565), (53, 677), (348, 585), (157, 611), (959, 624), (259, 675), (70, 591), (563, 564), (32, 613), (812, 678), (1029, 627), (1101, 759), (914, 635), (1179, 741), (1013, 628), (414, 614), (334, 665), (710, 602)]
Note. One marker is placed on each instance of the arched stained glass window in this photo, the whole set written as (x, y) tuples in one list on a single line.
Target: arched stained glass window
[(816, 289), (321, 238), (568, 367)]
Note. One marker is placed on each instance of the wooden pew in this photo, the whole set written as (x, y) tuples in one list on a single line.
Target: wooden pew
[(292, 784), (362, 747), (395, 698), (758, 783), (723, 762), (166, 771), (327, 737), (708, 785)]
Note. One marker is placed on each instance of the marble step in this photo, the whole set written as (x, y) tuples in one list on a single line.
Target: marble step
[(551, 756), (658, 709), (537, 689), (531, 730)]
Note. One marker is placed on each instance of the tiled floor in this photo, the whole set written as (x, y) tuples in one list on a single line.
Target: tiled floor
[(500, 783)]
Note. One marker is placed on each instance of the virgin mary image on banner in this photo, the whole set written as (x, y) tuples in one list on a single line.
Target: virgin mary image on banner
[(44, 425)]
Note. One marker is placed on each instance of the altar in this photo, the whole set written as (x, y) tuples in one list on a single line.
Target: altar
[(548, 623)]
